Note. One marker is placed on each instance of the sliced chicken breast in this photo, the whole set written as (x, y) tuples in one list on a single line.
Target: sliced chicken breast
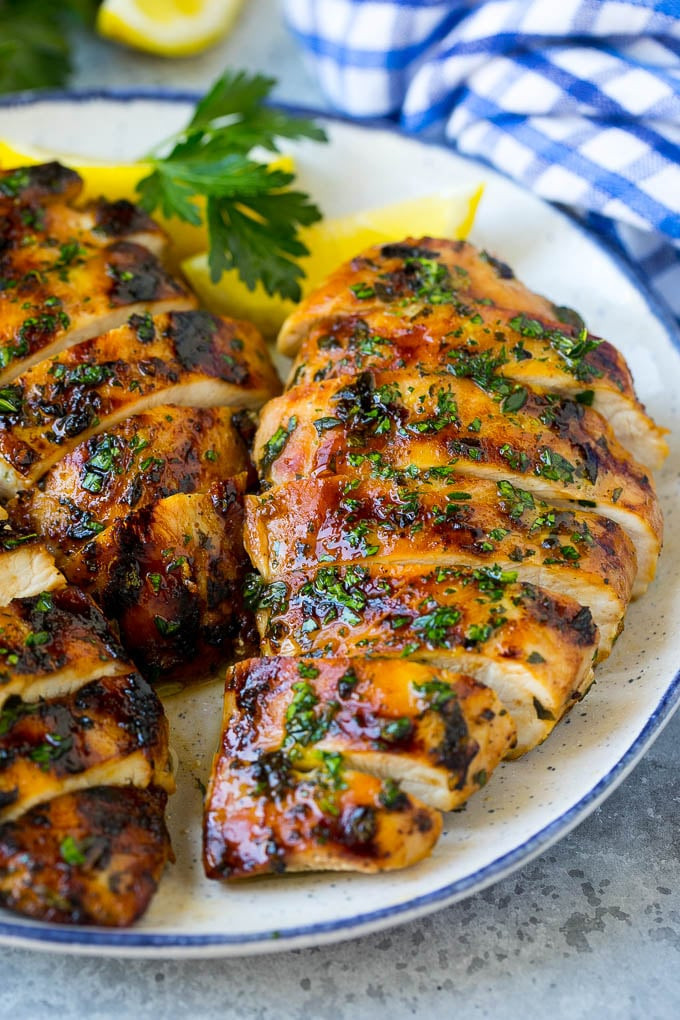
[(396, 426), (53, 644), (46, 748), (433, 734), (533, 648), (499, 350), (412, 276), (69, 274), (91, 857), (265, 814), (170, 575), (147, 457), (189, 358), (301, 525)]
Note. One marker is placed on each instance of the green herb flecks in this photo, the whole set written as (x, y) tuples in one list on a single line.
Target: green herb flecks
[(275, 446), (573, 350)]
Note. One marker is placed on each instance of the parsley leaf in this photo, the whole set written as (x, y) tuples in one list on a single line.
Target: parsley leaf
[(252, 215), (34, 45)]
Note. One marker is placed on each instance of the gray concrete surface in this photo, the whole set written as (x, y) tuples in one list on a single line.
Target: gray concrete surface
[(589, 929)]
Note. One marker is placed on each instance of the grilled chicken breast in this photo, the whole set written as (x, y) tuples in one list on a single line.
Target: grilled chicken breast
[(439, 735), (112, 732), (268, 811), (67, 275), (144, 458), (189, 358), (533, 647), (301, 525), (503, 352), (400, 426), (412, 276), (53, 644), (170, 575), (91, 857)]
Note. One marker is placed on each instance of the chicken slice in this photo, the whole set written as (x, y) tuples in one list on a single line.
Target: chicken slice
[(53, 644), (170, 575), (91, 857), (39, 185), (397, 426), (40, 319), (409, 278), (263, 814), (189, 358), (69, 274), (499, 350), (113, 732), (301, 525), (533, 648), (26, 565), (435, 734), (137, 462)]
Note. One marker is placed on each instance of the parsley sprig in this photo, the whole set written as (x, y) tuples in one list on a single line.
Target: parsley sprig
[(251, 213)]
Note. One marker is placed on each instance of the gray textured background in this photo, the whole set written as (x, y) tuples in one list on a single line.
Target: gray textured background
[(589, 929)]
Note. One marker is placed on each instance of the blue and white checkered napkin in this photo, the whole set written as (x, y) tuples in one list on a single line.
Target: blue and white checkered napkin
[(578, 100)]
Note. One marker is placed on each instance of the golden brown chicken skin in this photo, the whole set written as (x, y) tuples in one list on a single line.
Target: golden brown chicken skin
[(91, 857), (53, 644), (170, 575), (189, 358), (411, 276), (501, 351), (144, 458), (471, 522), (398, 426), (111, 732), (533, 647), (276, 803), (438, 735), (68, 274)]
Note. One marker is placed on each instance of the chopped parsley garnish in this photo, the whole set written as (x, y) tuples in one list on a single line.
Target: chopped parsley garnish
[(304, 725), (435, 692), (515, 500), (555, 467), (274, 446), (435, 625), (574, 350), (72, 852)]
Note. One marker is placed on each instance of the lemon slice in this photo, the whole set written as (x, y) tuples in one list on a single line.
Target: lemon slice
[(169, 28), (331, 242)]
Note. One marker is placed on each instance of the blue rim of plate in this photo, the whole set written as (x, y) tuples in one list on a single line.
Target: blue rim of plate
[(44, 936)]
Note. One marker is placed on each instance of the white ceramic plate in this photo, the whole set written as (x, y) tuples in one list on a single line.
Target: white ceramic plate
[(530, 803)]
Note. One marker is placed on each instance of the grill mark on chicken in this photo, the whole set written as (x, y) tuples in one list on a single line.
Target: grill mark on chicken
[(91, 857), (114, 725), (170, 575), (521, 640), (46, 412), (414, 277), (498, 350), (384, 426), (144, 458), (471, 522)]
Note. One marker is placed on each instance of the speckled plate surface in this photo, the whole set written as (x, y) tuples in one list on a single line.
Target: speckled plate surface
[(529, 803)]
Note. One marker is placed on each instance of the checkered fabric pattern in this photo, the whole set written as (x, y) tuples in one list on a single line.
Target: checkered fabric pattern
[(578, 100)]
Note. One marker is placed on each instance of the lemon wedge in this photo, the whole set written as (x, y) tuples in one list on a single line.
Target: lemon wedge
[(331, 242), (169, 28)]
